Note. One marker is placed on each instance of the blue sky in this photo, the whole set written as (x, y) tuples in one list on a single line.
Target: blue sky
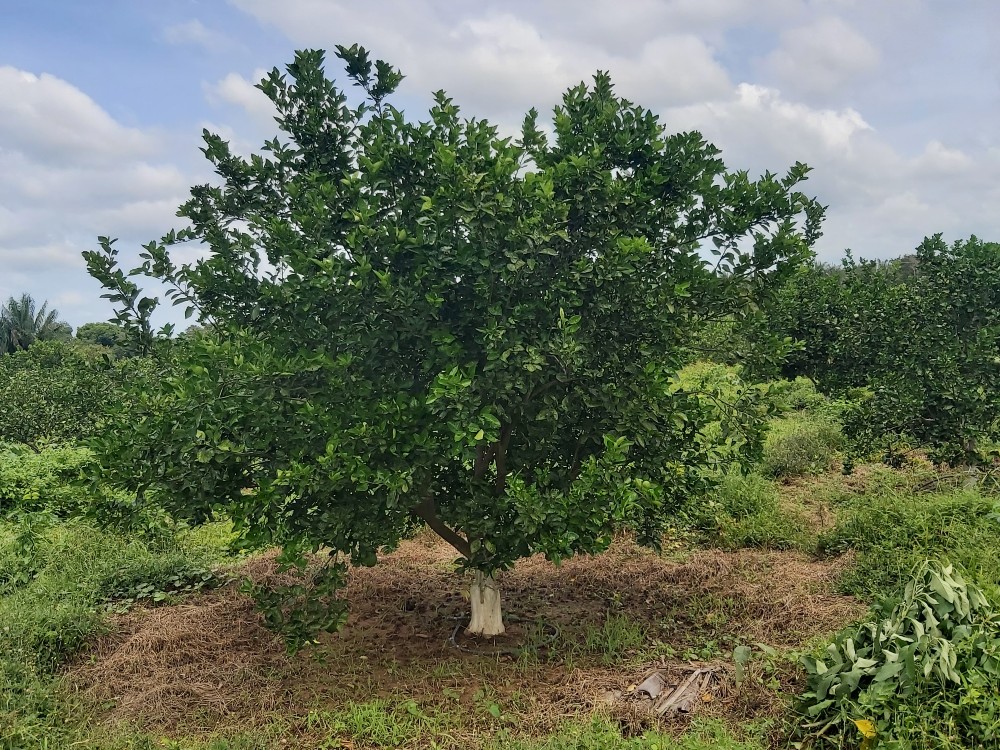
[(895, 103)]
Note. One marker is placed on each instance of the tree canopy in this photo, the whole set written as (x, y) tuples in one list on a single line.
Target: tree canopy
[(55, 392), (108, 335), (22, 323), (430, 323), (922, 333)]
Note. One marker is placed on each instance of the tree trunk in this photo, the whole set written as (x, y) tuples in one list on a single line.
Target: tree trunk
[(486, 617)]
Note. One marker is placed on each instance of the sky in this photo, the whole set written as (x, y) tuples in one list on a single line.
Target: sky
[(894, 103)]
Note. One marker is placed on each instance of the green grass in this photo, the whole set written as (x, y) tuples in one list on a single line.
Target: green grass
[(893, 530), (601, 734), (388, 725), (54, 581), (613, 641), (745, 511), (268, 738), (58, 579), (380, 724)]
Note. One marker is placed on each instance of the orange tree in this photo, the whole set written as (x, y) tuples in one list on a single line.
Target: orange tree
[(921, 334), (428, 323), (56, 392)]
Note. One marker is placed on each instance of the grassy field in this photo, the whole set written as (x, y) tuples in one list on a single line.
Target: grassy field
[(117, 643)]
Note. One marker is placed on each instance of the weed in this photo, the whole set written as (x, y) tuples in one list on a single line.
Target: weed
[(615, 638), (745, 512), (57, 581), (602, 734), (610, 641), (377, 723), (31, 481), (924, 671), (795, 395)]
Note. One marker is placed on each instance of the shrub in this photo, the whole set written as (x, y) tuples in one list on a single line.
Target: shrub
[(44, 480), (727, 434), (794, 395), (923, 671), (801, 443), (58, 392)]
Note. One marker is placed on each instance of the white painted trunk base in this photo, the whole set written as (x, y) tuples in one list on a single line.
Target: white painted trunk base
[(486, 616)]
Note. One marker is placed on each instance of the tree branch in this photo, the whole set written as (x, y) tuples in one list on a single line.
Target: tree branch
[(484, 455), (427, 512)]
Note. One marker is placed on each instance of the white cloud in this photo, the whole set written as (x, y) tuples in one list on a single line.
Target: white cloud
[(882, 201), (623, 26), (499, 60), (195, 33), (69, 172), (821, 57), (937, 160), (236, 90), (52, 121), (760, 130), (899, 134)]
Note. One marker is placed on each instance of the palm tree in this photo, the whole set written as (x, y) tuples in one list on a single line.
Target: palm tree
[(22, 323)]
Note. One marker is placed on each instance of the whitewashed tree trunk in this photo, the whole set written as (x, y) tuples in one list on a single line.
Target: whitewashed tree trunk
[(486, 616)]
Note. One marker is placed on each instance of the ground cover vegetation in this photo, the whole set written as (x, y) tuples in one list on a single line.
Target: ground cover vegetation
[(588, 365)]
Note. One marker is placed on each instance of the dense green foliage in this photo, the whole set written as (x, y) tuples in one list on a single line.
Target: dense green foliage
[(56, 391), (923, 337), (451, 327), (108, 335), (31, 482)]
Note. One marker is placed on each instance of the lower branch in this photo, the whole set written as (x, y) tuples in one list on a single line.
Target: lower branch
[(427, 512)]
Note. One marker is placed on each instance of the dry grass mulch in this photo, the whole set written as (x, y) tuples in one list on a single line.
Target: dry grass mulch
[(208, 663)]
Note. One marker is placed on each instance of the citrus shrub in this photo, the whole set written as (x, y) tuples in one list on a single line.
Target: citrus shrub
[(421, 321), (59, 392)]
